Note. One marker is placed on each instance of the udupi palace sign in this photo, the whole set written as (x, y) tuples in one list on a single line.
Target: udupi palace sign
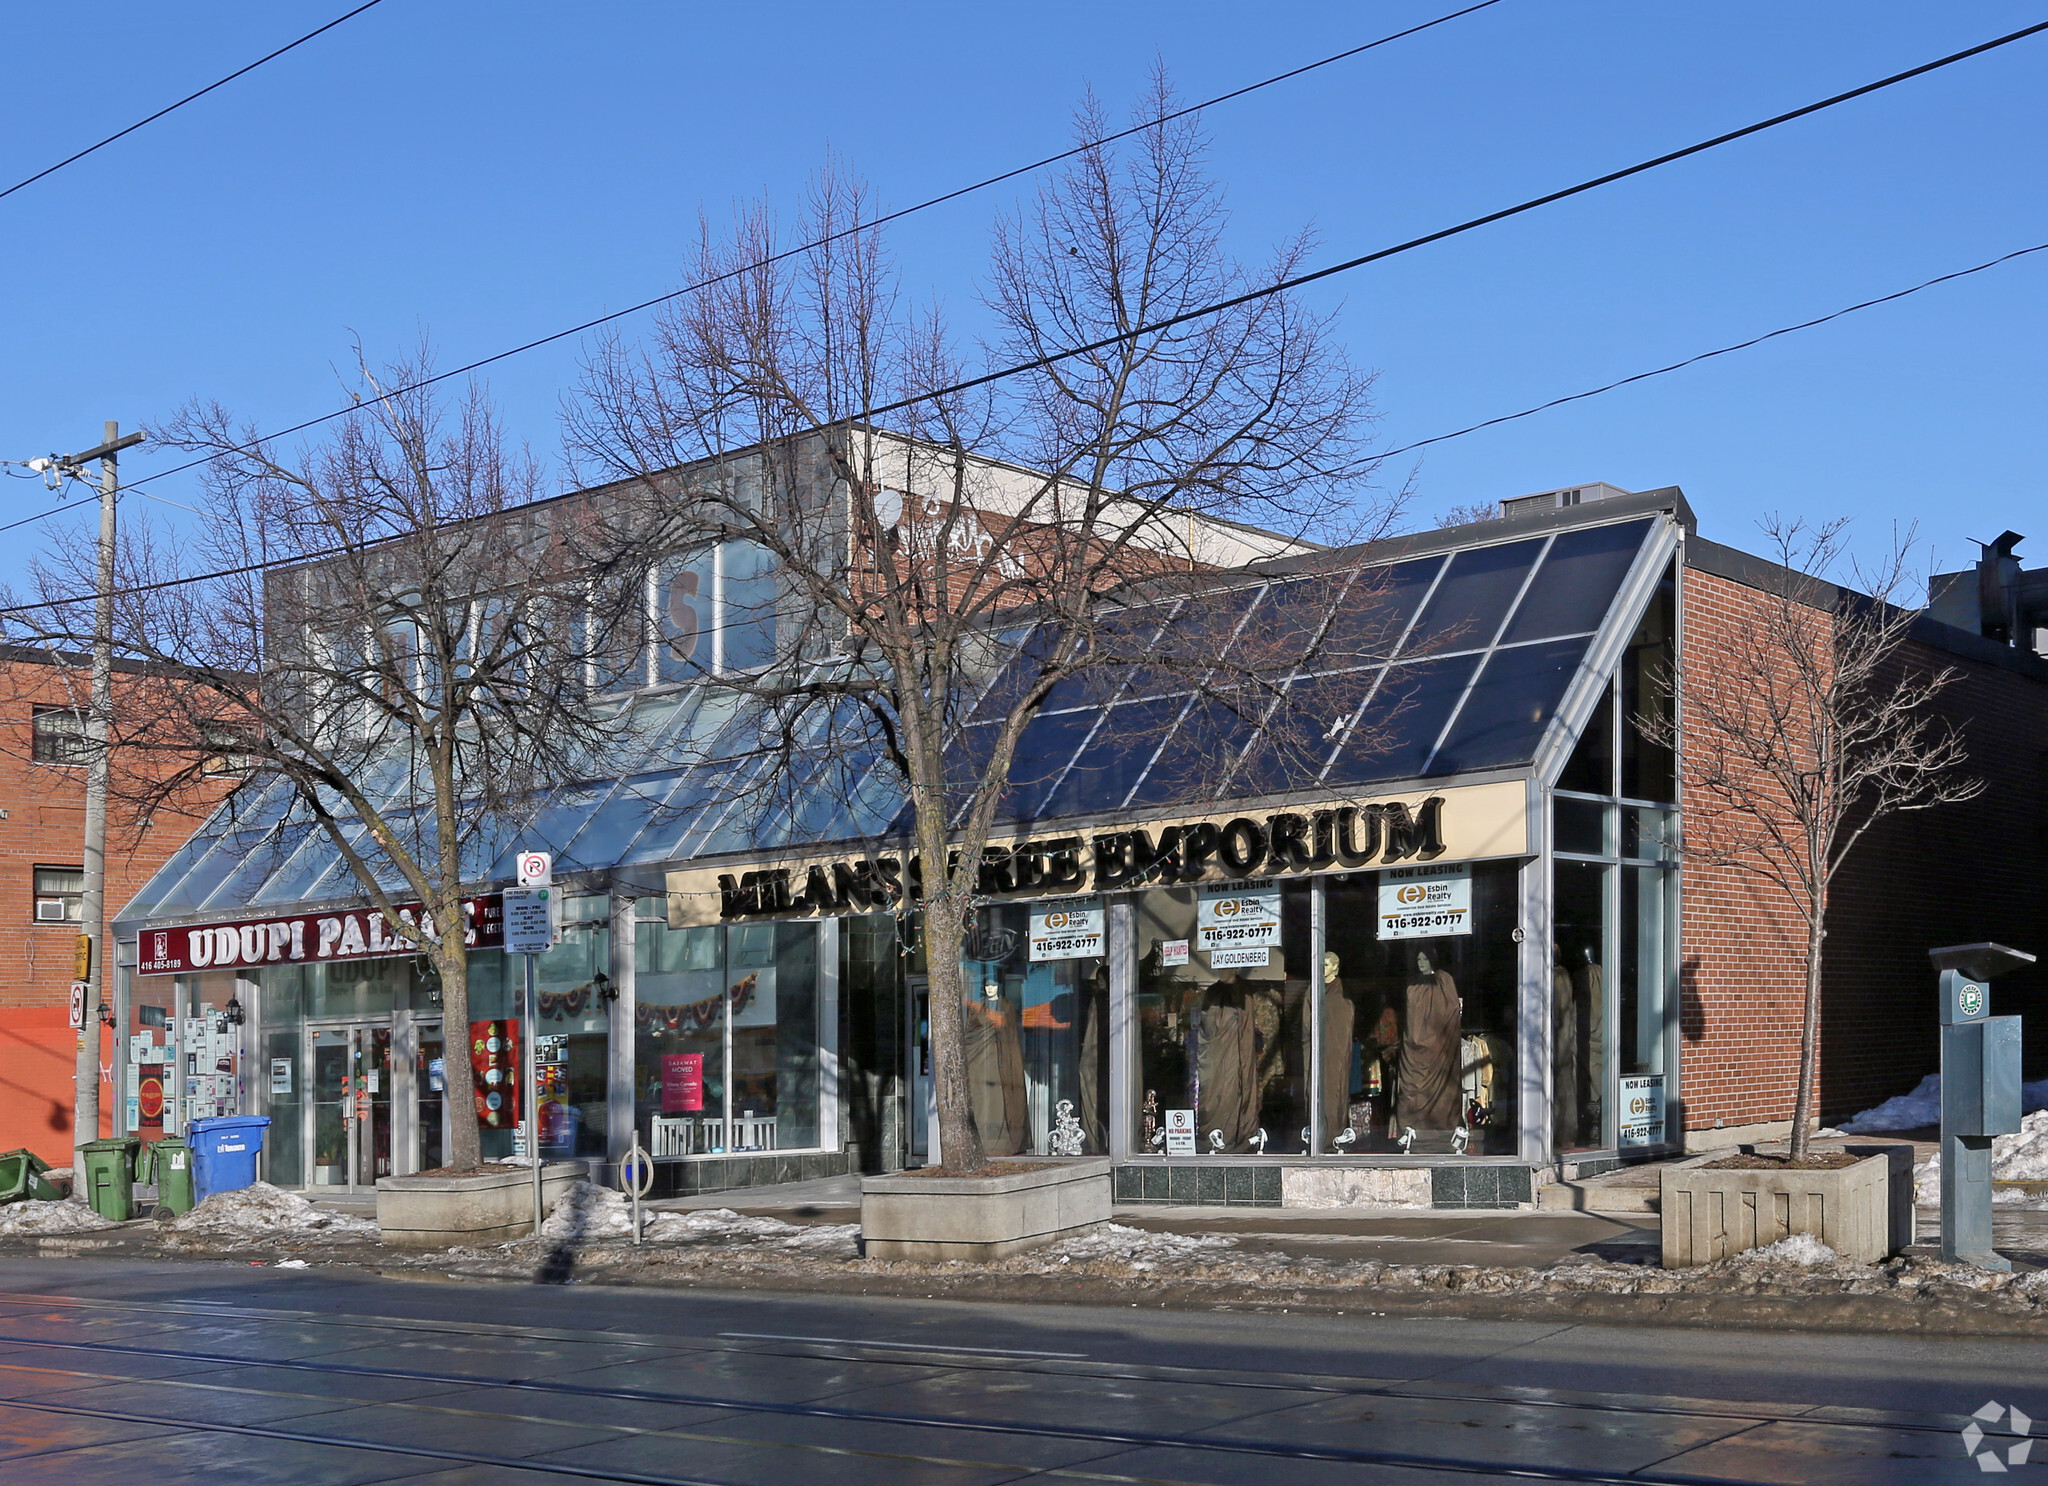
[(1461, 823), (306, 938)]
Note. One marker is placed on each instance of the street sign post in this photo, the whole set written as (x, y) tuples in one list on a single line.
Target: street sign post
[(530, 931)]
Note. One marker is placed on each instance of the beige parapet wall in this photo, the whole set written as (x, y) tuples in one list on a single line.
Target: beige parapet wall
[(1346, 833)]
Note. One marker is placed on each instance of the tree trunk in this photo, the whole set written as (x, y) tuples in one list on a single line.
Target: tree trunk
[(1809, 1040), (944, 931), (464, 1151)]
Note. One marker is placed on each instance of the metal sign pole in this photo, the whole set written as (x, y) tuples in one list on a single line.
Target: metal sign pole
[(533, 1088)]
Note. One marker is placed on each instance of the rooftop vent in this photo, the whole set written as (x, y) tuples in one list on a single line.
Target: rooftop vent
[(1555, 500)]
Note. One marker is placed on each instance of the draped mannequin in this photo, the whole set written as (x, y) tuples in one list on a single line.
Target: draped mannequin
[(1226, 1067), (1429, 1049), (1093, 1010), (1339, 1017), (1564, 1053)]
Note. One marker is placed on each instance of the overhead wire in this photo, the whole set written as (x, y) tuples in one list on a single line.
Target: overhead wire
[(73, 159), (1280, 287)]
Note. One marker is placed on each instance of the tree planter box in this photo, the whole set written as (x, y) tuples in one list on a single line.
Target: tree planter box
[(907, 1216), (439, 1212), (1863, 1211)]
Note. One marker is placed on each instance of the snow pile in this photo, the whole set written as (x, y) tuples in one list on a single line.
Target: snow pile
[(2020, 1157), (264, 1211), (589, 1212), (25, 1219), (1923, 1107), (1801, 1249), (1113, 1243)]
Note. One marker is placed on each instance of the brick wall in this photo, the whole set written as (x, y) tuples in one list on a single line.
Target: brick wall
[(1956, 874), (44, 825)]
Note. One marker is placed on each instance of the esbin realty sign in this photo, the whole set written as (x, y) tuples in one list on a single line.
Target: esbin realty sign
[(306, 938)]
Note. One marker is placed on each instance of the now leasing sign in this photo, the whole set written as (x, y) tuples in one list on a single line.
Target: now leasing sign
[(307, 938)]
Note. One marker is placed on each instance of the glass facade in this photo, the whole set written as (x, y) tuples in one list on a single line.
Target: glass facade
[(1036, 1032)]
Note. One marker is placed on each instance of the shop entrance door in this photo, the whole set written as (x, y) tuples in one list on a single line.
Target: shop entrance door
[(917, 1046), (375, 1091)]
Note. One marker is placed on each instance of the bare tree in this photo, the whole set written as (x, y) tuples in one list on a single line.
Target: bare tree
[(911, 557), (1805, 725), (397, 657)]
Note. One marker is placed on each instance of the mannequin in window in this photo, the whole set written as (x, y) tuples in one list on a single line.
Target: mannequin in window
[(1564, 1045), (995, 1072), (1339, 1017), (1094, 1070), (1226, 1067), (1429, 1048), (1592, 989)]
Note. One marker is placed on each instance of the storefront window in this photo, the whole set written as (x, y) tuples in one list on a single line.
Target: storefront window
[(1035, 1014), (1223, 1017), (1419, 1023), (726, 1037), (873, 1070), (1578, 1007)]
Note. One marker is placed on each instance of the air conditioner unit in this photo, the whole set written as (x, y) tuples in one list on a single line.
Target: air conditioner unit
[(50, 911)]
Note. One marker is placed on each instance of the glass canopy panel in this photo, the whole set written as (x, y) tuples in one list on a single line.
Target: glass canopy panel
[(162, 888), (1049, 742), (1110, 763), (1511, 704), (1300, 734), (1202, 631), (313, 864), (1198, 756), (263, 861), (1576, 585), (208, 872), (631, 809), (1371, 616), (1473, 597), (1395, 734)]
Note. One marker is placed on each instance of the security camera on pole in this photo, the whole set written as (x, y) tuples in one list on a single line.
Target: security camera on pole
[(530, 931)]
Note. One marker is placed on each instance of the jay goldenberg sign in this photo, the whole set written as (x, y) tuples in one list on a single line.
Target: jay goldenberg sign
[(306, 938)]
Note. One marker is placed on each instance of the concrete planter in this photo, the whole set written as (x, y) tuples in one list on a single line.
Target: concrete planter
[(439, 1212), (1863, 1212), (907, 1216)]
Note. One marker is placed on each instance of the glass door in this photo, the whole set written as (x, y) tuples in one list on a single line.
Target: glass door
[(430, 1085), (349, 1140)]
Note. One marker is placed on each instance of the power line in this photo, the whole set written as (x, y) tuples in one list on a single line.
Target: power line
[(882, 221), (1278, 288), (1755, 340), (188, 98)]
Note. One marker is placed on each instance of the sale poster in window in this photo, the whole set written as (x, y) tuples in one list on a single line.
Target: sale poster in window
[(682, 1083)]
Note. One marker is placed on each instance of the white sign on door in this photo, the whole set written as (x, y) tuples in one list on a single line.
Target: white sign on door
[(1642, 1110), (1066, 928), (1426, 902), (1240, 917)]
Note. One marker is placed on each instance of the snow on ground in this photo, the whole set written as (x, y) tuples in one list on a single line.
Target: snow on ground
[(264, 1211), (588, 1211), (1802, 1249), (1923, 1107), (2021, 1157), (21, 1219), (1114, 1243)]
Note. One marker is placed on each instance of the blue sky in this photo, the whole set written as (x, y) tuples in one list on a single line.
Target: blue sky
[(484, 173)]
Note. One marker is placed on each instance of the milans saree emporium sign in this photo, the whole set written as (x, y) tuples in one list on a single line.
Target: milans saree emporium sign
[(1467, 823), (306, 938)]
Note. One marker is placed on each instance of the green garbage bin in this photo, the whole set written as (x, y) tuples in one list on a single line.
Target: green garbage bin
[(110, 1176), (167, 1164), (21, 1177)]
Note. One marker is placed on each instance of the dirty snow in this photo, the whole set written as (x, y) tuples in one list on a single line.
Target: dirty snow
[(1923, 1107), (587, 1211), (264, 1211), (2020, 1157), (69, 1216), (1114, 1243), (1802, 1249)]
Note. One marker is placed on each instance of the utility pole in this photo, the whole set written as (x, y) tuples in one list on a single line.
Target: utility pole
[(86, 1104)]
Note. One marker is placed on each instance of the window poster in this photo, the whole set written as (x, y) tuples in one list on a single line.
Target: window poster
[(1642, 1110), (1425, 902), (1066, 928), (1240, 923), (682, 1083), (494, 1059)]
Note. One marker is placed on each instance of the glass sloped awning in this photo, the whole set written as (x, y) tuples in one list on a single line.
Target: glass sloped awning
[(1436, 665)]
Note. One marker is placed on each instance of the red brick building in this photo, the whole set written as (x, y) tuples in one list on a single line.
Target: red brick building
[(42, 835)]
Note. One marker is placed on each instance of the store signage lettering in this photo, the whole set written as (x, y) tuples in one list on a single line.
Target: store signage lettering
[(346, 934), (1346, 837)]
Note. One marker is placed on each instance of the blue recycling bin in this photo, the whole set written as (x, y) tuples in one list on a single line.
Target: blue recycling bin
[(224, 1152)]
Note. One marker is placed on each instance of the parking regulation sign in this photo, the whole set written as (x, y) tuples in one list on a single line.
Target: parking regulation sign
[(536, 869), (529, 921)]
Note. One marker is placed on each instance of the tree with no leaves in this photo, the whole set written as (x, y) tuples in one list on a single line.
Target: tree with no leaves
[(1804, 725), (393, 652), (912, 558)]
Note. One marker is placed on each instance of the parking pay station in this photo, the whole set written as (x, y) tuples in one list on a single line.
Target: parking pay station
[(1980, 1094)]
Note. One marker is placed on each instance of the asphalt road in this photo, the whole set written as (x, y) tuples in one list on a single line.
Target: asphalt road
[(122, 1372)]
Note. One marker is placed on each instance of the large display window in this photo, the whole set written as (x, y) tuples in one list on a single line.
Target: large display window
[(726, 1037)]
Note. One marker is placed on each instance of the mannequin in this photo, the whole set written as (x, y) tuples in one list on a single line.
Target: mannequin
[(995, 1073), (1339, 1016), (1429, 1048), (1593, 1020), (1564, 1052), (1226, 1067), (1093, 1010)]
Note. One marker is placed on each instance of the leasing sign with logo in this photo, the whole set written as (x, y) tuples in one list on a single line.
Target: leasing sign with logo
[(1426, 902), (1066, 928)]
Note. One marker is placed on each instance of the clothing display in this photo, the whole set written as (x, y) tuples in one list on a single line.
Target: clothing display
[(1093, 1011), (1592, 995), (1339, 1016), (1564, 1056), (1226, 1069), (1428, 1096), (1486, 1070), (995, 1076)]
